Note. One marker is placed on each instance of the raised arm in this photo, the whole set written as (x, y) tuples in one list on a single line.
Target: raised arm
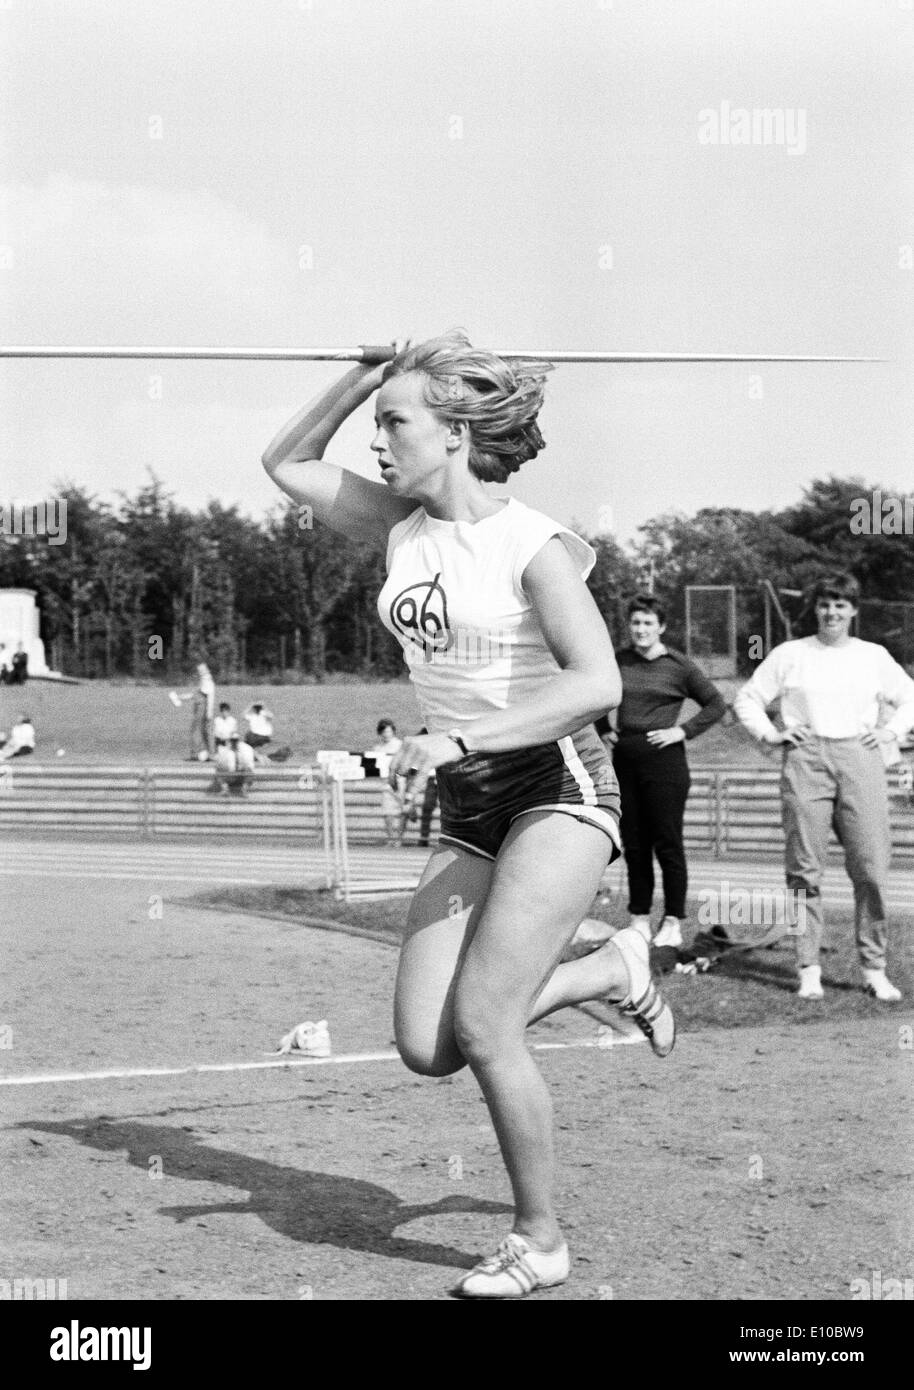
[(346, 502)]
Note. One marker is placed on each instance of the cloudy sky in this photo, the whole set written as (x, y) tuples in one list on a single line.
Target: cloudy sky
[(541, 172)]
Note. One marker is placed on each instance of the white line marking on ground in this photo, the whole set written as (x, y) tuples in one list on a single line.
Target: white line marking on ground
[(350, 1058), (151, 874), (836, 893)]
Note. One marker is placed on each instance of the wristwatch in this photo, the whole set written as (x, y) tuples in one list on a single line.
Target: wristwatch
[(456, 737)]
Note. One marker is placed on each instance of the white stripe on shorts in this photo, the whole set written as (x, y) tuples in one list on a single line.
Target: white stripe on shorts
[(578, 770)]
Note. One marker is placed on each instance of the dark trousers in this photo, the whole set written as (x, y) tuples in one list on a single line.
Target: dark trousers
[(653, 784), (429, 802)]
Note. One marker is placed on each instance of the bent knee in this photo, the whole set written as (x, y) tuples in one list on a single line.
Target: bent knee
[(430, 1059), (432, 1064), (483, 1037)]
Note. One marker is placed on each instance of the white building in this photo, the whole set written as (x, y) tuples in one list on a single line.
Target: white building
[(19, 622)]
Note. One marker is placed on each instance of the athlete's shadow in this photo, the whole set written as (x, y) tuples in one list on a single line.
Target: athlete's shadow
[(312, 1207)]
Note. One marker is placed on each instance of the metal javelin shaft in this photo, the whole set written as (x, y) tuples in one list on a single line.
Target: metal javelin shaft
[(375, 354)]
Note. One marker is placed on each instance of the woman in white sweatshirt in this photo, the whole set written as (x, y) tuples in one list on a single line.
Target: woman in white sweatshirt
[(835, 754)]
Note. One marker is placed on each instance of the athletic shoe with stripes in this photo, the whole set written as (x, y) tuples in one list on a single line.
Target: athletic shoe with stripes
[(644, 1004), (515, 1270)]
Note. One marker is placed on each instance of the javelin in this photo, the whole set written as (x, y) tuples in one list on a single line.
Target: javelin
[(375, 354)]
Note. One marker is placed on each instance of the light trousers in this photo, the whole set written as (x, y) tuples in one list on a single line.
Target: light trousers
[(839, 784)]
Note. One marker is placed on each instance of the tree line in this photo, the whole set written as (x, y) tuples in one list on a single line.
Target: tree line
[(146, 588)]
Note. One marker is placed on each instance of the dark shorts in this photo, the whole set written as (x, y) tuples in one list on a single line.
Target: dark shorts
[(482, 794), (256, 740)]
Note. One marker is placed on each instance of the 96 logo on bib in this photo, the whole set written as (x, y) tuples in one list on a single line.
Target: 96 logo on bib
[(419, 613)]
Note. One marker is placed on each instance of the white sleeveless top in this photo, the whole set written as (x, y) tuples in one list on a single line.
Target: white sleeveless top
[(454, 600)]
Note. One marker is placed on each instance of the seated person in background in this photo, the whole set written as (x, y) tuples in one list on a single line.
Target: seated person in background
[(21, 741), (4, 665), (224, 725), (259, 728), (234, 762)]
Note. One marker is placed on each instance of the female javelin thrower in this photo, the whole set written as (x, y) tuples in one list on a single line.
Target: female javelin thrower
[(512, 662)]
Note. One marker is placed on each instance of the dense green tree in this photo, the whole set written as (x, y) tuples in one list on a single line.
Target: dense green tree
[(148, 588)]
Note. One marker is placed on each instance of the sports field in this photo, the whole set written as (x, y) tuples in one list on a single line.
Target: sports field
[(152, 1149), (105, 722), (768, 1158)]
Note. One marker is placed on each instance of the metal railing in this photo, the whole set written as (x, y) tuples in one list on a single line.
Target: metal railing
[(730, 811)]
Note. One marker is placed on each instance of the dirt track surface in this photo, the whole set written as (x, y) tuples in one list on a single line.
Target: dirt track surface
[(767, 1162)]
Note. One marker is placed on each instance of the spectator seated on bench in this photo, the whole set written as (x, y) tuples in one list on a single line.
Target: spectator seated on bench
[(21, 741), (224, 725), (234, 767), (259, 732)]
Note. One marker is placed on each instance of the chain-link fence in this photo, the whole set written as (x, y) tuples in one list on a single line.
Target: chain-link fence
[(764, 622)]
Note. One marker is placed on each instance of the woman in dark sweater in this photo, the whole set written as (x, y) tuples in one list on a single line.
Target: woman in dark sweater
[(650, 763)]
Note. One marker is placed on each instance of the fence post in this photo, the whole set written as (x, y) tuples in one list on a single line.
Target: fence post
[(718, 817), (329, 844), (342, 836), (147, 803), (723, 803)]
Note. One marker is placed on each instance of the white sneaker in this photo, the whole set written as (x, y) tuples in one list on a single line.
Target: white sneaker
[(670, 933), (515, 1270), (810, 983), (880, 987), (643, 1003), (642, 925), (308, 1040)]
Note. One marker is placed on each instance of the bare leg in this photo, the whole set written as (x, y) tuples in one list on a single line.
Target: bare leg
[(545, 878), (601, 975), (442, 918)]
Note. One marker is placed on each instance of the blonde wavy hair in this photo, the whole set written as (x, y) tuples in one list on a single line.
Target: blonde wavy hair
[(499, 399)]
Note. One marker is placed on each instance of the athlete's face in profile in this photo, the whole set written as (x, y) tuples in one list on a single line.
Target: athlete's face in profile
[(834, 616), (645, 629), (411, 441)]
